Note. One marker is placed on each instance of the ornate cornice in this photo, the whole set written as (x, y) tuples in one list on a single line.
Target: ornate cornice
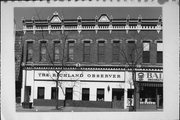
[(57, 23)]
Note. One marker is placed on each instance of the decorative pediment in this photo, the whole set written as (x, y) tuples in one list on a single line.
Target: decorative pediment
[(55, 19), (104, 18)]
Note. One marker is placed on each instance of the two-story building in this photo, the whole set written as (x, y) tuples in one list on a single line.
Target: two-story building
[(90, 61)]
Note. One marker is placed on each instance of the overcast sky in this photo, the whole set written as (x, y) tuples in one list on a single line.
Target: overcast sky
[(84, 12)]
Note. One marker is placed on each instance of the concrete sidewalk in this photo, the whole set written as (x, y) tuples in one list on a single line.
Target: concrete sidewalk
[(19, 108)]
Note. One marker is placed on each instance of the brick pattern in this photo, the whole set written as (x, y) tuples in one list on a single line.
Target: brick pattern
[(101, 35), (18, 54)]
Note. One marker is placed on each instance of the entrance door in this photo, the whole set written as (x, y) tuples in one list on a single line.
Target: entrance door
[(117, 98), (27, 93)]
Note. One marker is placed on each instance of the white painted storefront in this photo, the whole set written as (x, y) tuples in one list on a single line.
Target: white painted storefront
[(78, 80)]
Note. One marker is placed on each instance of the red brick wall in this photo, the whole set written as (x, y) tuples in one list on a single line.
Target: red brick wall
[(143, 35)]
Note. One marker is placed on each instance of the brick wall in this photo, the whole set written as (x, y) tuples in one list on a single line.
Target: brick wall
[(143, 35)]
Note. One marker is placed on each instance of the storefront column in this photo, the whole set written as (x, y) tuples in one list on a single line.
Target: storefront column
[(32, 87), (125, 97), (157, 98), (77, 92), (62, 93), (23, 86), (137, 97), (93, 94)]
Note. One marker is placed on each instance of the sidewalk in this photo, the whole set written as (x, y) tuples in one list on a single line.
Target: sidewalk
[(76, 109), (19, 108)]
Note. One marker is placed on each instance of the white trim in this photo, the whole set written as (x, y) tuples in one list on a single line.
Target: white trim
[(56, 40), (29, 40), (159, 40), (105, 41), (91, 41), (146, 40), (116, 40), (43, 40), (131, 40), (70, 40)]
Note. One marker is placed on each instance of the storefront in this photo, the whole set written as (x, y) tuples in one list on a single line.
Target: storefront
[(92, 88), (78, 88), (151, 89)]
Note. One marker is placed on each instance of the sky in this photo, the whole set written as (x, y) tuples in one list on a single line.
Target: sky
[(84, 12)]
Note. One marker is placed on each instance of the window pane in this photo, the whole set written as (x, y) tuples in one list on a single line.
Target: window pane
[(29, 51), (130, 93), (146, 46), (131, 47), (146, 56), (85, 93), (159, 56), (53, 93), (115, 51), (159, 46), (100, 94), (69, 94), (40, 93), (71, 51), (43, 51), (86, 52), (87, 58), (101, 58), (56, 51), (115, 58), (101, 51)]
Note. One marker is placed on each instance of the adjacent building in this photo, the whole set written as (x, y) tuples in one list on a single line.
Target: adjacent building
[(91, 61)]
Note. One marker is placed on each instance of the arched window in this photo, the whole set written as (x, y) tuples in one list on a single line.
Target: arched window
[(116, 50), (70, 48), (86, 50), (29, 51), (56, 49), (101, 50), (146, 52), (43, 51)]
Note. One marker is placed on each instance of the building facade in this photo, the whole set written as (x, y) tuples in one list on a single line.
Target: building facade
[(92, 61)]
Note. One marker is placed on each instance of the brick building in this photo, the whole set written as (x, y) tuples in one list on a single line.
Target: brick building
[(89, 60)]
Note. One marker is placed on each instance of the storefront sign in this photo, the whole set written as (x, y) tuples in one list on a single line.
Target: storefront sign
[(80, 75), (149, 76)]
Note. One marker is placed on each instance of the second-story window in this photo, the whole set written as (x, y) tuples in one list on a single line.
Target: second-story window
[(57, 51), (43, 51), (131, 48), (146, 52), (86, 51), (115, 51), (159, 52), (101, 51), (29, 56), (70, 51)]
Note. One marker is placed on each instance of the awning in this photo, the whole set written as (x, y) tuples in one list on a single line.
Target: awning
[(149, 84)]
